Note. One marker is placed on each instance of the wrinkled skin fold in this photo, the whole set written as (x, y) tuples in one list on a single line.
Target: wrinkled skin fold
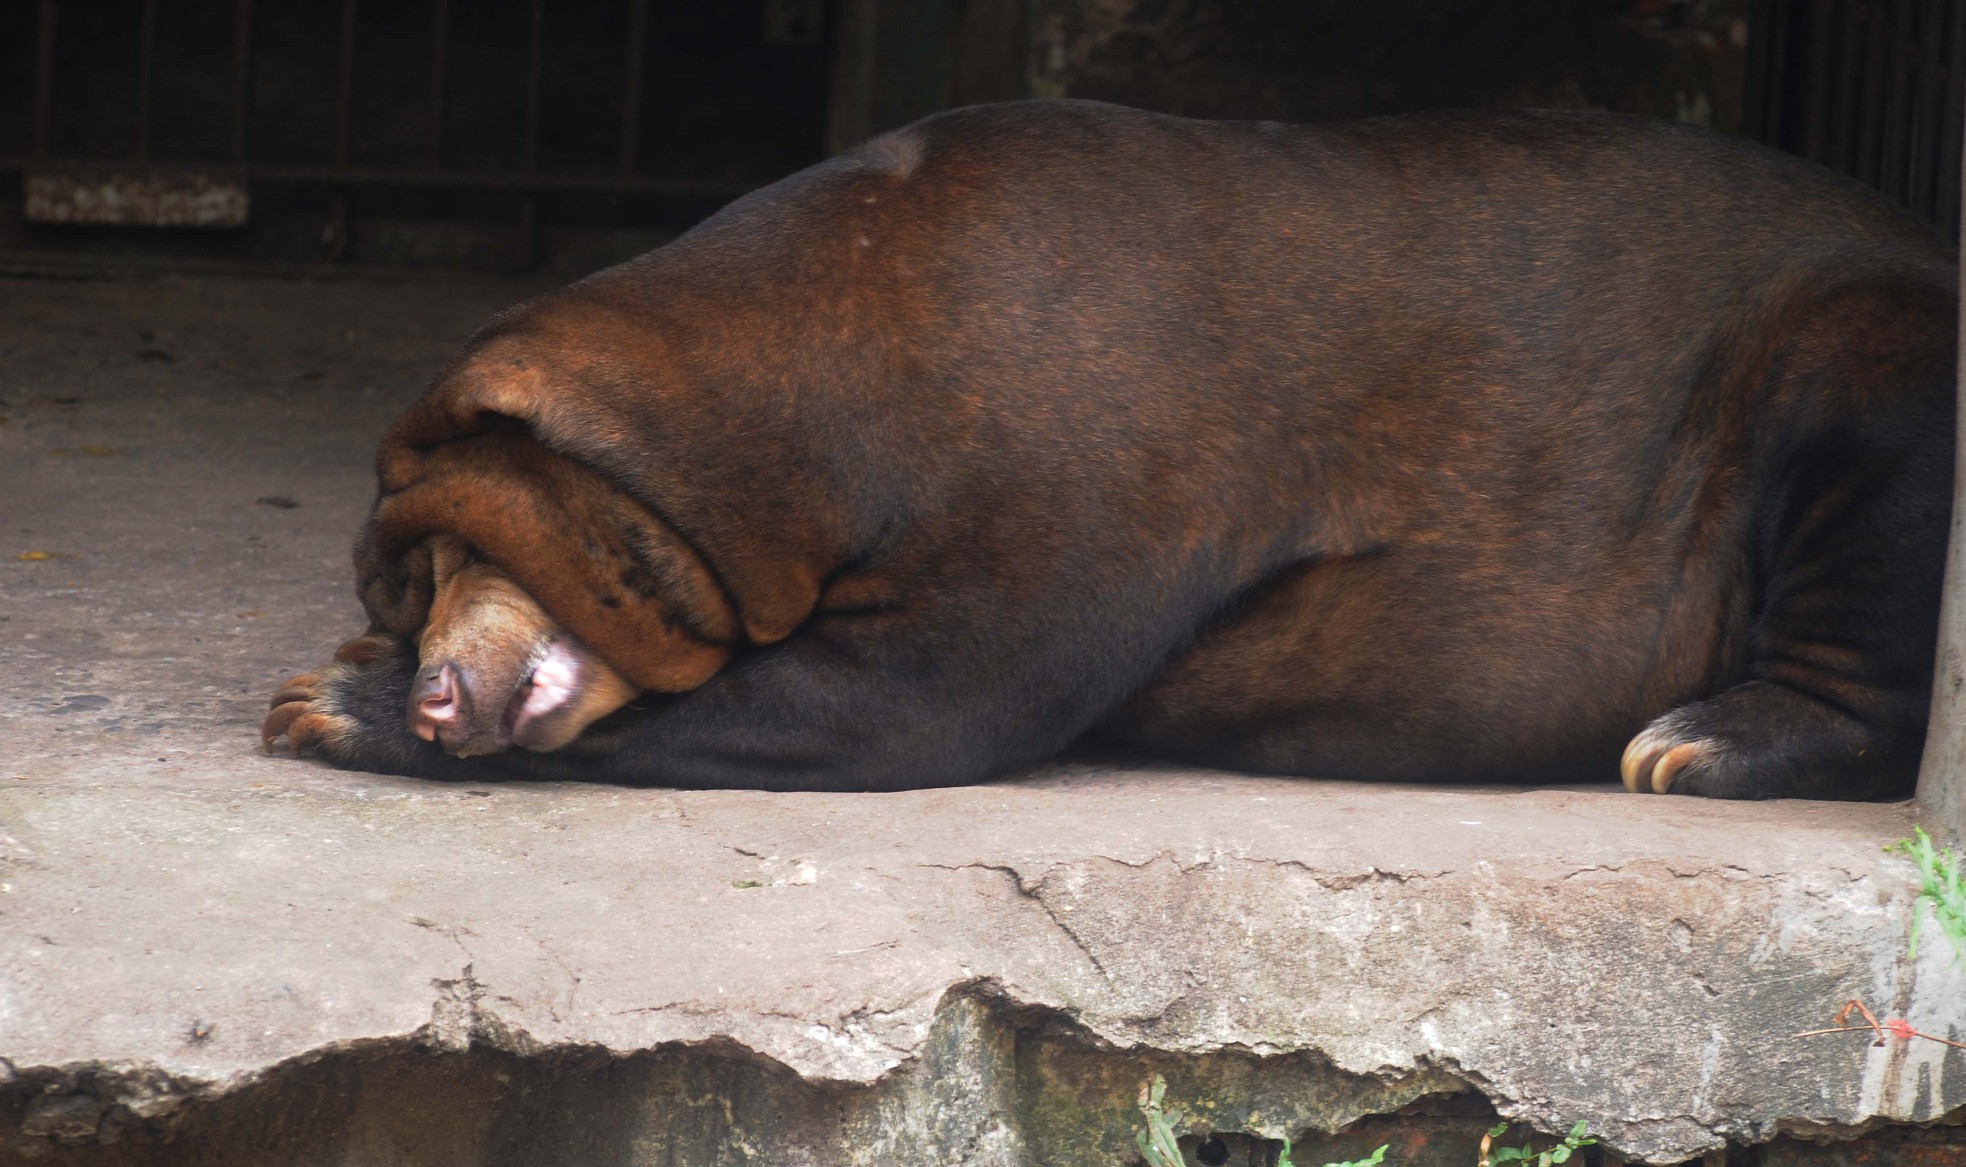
[(1488, 446)]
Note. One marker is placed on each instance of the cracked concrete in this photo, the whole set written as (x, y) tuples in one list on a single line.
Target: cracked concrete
[(200, 945)]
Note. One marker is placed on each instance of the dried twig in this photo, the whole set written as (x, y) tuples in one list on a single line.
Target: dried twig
[(1896, 1027)]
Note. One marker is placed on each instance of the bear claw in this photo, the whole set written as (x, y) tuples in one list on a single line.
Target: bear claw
[(296, 716), (1657, 757), (281, 722)]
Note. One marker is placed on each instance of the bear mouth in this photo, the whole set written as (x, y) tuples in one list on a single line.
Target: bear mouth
[(539, 699), (547, 689)]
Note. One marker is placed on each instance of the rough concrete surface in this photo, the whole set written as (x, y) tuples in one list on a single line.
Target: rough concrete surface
[(212, 956)]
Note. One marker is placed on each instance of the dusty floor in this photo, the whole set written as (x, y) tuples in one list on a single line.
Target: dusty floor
[(182, 466), (183, 463)]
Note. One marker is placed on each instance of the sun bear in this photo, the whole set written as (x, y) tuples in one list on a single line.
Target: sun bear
[(1494, 446)]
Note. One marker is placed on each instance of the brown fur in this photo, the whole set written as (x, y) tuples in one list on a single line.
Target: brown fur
[(1455, 445), (575, 544)]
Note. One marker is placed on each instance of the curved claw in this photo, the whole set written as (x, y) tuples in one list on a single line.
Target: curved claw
[(309, 729), (281, 721), (300, 688), (1655, 759), (1674, 762), (1636, 765)]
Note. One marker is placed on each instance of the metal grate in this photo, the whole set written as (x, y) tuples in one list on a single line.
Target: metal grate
[(373, 101), (1871, 88)]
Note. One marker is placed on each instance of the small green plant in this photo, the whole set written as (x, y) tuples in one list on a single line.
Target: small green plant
[(1160, 1149), (1561, 1153), (1157, 1145), (1942, 884), (1377, 1157)]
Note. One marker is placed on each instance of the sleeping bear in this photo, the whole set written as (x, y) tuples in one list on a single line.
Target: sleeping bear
[(1490, 446)]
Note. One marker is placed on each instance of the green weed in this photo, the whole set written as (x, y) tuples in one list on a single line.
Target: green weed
[(1159, 1148), (1942, 885), (1561, 1153), (1157, 1145), (1378, 1156)]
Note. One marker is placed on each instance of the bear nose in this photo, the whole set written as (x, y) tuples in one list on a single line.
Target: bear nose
[(436, 701)]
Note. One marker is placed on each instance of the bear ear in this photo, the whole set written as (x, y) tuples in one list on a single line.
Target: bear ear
[(609, 571)]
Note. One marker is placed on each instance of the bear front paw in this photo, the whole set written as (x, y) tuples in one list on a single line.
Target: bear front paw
[(312, 710)]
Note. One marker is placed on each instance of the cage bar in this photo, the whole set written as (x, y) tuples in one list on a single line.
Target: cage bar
[(1922, 135), (1951, 128), (1894, 164), (440, 67), (631, 96), (146, 70), (1762, 114), (1816, 84), (535, 63), (44, 81), (1869, 121), (344, 106), (242, 76)]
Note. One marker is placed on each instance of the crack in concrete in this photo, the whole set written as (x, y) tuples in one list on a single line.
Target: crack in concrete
[(1058, 919), (1034, 891), (1371, 875), (1728, 871), (573, 978), (456, 1017)]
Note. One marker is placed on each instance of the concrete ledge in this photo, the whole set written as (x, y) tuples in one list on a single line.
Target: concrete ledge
[(1294, 954)]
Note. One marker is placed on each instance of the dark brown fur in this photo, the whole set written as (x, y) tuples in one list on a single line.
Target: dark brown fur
[(1444, 446)]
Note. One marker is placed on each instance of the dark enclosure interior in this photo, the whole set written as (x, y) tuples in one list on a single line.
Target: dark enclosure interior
[(349, 121), (521, 134), (1871, 88)]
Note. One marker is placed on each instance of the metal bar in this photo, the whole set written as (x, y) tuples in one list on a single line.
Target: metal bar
[(1927, 96), (1870, 119), (242, 74), (1816, 89), (1781, 112), (146, 60), (337, 239), (529, 206), (344, 106), (1952, 124), (1894, 165), (1762, 91), (440, 68), (543, 180), (529, 234), (1754, 98), (631, 96), (1843, 108), (534, 65), (44, 81)]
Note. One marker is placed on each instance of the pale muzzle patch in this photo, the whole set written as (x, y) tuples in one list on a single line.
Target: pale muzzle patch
[(495, 671)]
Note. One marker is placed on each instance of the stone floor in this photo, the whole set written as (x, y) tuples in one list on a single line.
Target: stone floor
[(209, 955)]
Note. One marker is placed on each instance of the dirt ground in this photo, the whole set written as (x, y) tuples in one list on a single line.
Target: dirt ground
[(183, 464)]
